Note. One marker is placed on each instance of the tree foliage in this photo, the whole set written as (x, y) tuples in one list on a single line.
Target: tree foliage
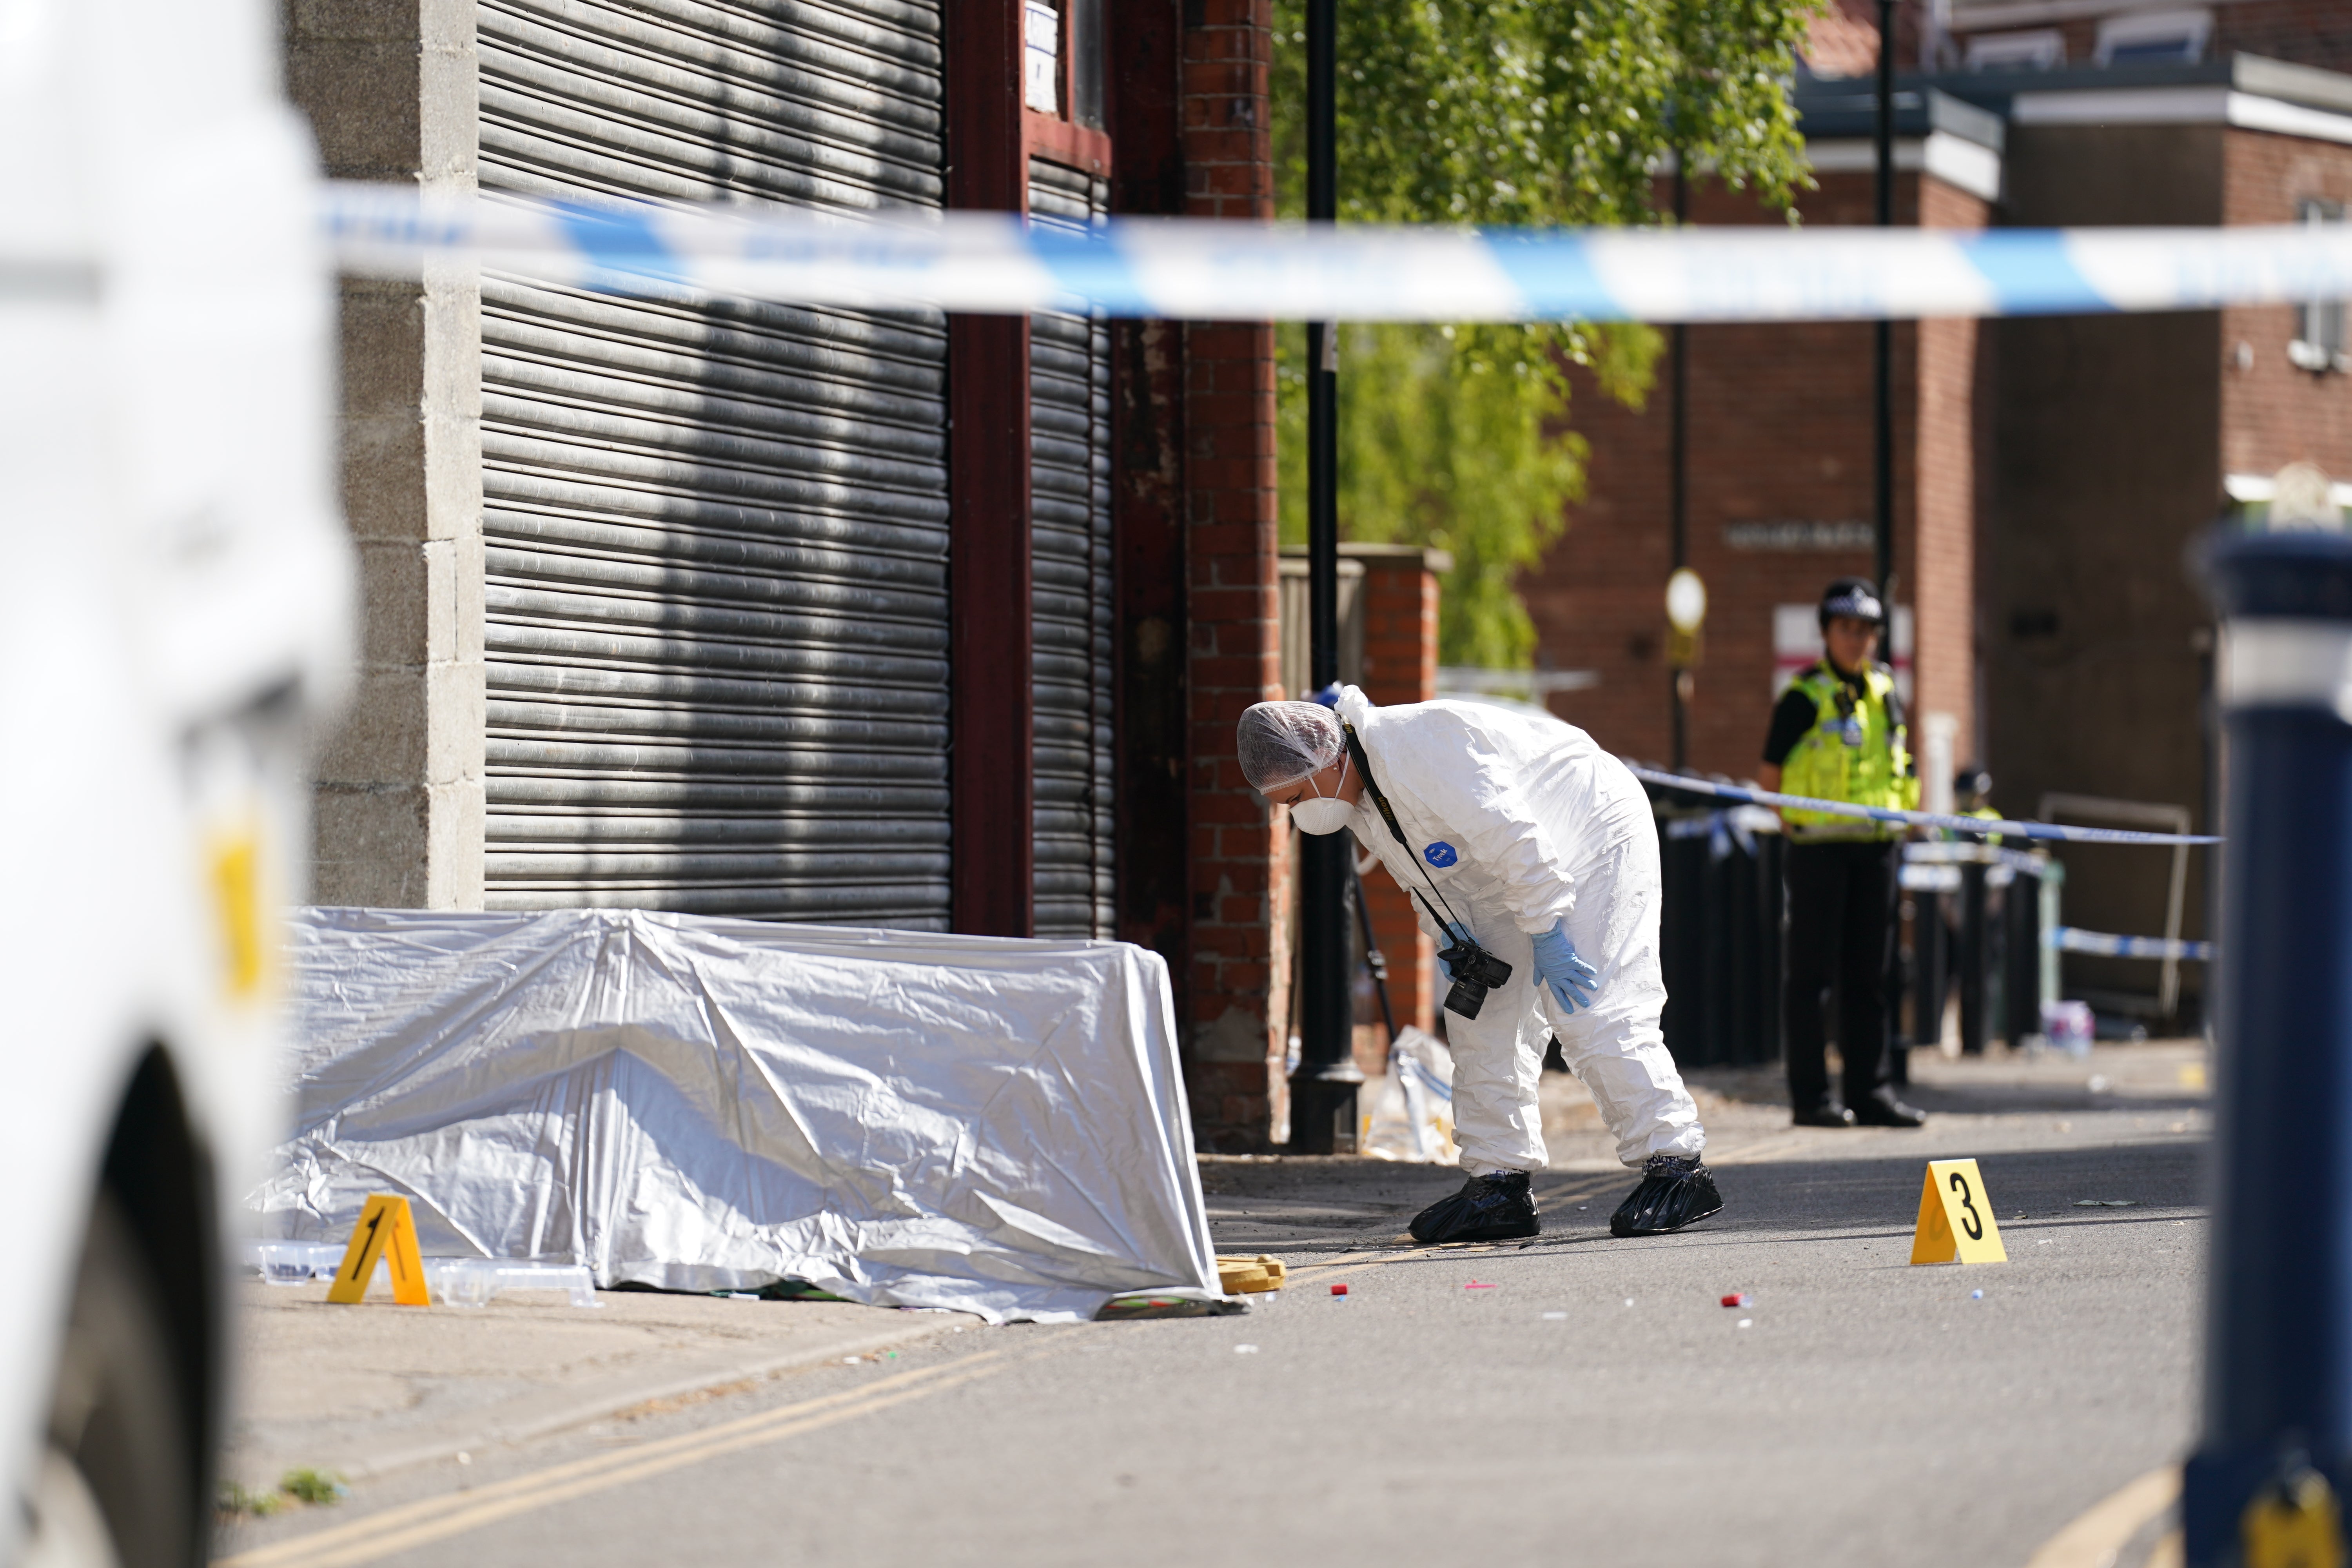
[(1509, 113)]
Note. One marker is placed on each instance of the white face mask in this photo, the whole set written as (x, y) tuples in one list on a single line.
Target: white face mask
[(1321, 813)]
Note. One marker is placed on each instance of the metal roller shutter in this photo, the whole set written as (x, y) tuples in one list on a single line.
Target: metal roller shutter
[(1069, 487), (716, 534)]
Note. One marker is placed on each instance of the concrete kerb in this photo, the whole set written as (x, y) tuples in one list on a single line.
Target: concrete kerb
[(444, 1401), (535, 1419)]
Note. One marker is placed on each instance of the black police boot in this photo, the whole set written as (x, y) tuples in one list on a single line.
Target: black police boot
[(1882, 1109), (1488, 1208), (1822, 1115), (1676, 1190)]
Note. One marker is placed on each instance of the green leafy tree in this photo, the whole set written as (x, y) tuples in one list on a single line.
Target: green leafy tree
[(1509, 113)]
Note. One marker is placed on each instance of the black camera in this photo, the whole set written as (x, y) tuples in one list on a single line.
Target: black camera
[(1476, 972)]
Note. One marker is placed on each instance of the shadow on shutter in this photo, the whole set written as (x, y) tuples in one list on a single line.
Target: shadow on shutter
[(1069, 467), (716, 533)]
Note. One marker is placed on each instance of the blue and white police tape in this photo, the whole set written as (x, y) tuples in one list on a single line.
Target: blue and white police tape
[(1204, 269), (1723, 830), (2106, 944), (2064, 833), (1954, 854), (1929, 878)]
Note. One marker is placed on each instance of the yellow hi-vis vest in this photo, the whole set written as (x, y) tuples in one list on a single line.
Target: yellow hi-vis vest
[(1850, 753)]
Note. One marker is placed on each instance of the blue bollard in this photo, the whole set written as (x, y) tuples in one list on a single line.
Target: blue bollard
[(2271, 1467)]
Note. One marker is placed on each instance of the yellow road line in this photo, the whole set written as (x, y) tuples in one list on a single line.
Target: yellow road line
[(380, 1534), (2095, 1537)]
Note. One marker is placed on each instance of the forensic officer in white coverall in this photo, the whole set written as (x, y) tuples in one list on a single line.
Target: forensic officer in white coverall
[(1517, 833)]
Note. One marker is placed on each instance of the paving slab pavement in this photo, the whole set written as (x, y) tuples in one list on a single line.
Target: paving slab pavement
[(366, 1390)]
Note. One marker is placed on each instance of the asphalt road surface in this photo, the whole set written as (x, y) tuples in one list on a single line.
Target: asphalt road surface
[(1577, 1399)]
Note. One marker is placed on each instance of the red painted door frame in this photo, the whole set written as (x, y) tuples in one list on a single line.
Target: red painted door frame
[(992, 768), (991, 711)]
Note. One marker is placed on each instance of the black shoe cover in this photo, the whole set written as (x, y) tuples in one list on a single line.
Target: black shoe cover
[(1676, 1190), (1487, 1208)]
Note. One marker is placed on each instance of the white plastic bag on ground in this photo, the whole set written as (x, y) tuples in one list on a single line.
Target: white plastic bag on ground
[(1412, 1117)]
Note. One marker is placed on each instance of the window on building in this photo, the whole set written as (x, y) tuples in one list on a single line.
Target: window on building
[(1062, 59), (2318, 343), (1086, 47), (2044, 49), (1040, 57), (2160, 37)]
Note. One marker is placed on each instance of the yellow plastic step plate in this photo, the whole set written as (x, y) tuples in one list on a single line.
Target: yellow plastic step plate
[(1242, 1276)]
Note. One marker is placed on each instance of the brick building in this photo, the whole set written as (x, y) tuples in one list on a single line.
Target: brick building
[(1778, 497), (2049, 473), (821, 615)]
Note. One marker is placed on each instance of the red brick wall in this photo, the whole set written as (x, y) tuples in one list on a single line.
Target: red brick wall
[(1598, 599), (2272, 412), (1400, 666), (1780, 430), (1937, 561), (1228, 147), (1844, 39), (2309, 32), (1241, 965)]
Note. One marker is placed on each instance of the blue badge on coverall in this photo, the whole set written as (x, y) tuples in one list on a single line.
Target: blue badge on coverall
[(1440, 854)]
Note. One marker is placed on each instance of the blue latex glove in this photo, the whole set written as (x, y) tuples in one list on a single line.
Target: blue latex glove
[(1572, 980), (1329, 696), (1454, 936)]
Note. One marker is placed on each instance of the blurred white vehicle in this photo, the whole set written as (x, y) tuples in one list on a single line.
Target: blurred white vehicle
[(176, 621)]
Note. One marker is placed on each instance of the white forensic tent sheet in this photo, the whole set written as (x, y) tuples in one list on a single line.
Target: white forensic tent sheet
[(987, 1124)]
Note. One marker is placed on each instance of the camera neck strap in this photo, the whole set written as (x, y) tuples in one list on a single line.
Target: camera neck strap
[(1388, 815)]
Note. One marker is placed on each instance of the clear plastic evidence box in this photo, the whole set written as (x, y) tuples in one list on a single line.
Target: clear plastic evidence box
[(454, 1281)]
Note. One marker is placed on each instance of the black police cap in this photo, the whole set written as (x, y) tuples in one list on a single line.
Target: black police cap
[(1856, 596)]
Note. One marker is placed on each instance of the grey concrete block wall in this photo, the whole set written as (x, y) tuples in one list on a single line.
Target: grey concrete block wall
[(391, 90)]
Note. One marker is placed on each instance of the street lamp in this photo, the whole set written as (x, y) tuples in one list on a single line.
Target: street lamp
[(1685, 613)]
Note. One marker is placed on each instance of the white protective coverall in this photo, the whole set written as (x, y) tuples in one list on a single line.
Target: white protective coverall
[(1521, 822)]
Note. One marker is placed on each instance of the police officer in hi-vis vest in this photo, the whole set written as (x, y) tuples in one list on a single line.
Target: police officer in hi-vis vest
[(1839, 734)]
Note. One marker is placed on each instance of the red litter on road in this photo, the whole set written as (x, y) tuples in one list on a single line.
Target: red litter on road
[(1339, 1290), (1475, 1285), (1739, 1299)]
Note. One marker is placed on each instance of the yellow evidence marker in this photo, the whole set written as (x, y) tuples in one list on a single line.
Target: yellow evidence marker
[(2295, 1524), (386, 1230), (1955, 1218)]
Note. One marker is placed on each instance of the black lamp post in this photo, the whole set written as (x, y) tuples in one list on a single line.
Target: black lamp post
[(1882, 343), (1323, 1088), (1679, 675)]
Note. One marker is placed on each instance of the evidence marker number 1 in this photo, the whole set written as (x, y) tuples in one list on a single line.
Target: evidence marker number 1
[(386, 1230), (1956, 1219)]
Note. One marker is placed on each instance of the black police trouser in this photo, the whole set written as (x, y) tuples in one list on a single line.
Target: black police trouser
[(1841, 931)]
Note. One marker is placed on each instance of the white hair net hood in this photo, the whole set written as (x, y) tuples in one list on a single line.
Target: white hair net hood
[(1282, 742)]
